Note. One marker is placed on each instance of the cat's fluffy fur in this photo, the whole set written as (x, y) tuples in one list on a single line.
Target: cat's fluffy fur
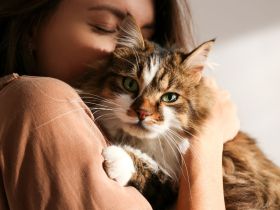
[(151, 129)]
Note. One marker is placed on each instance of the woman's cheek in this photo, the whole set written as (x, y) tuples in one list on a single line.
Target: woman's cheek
[(68, 58), (103, 43), (90, 50), (94, 47)]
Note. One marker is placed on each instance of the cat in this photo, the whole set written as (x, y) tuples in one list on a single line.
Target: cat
[(150, 101)]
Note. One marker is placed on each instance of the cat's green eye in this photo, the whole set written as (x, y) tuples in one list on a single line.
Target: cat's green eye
[(130, 84), (169, 97)]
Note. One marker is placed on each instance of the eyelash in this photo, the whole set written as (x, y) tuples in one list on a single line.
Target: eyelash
[(102, 29)]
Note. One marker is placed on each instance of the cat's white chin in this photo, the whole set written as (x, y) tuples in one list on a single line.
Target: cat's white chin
[(140, 131)]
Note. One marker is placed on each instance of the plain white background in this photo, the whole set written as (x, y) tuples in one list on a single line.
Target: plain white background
[(248, 53)]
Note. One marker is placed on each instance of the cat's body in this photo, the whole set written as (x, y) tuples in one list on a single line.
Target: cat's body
[(150, 101), (251, 181)]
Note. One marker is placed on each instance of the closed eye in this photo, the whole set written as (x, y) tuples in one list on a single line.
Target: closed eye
[(103, 29)]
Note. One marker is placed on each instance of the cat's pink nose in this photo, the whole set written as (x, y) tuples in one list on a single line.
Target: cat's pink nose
[(142, 114)]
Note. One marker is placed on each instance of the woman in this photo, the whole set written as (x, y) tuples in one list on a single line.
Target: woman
[(50, 149)]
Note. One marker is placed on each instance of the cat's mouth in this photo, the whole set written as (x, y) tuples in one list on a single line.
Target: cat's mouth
[(140, 130), (140, 126)]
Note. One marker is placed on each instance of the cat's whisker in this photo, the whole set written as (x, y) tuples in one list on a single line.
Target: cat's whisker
[(95, 104), (104, 109), (99, 107), (174, 152), (102, 116), (190, 146), (94, 113), (173, 141), (176, 134), (107, 102), (161, 150), (107, 108), (179, 136), (176, 144), (113, 109), (122, 140), (97, 97), (189, 133), (136, 98), (106, 118), (182, 163), (166, 166), (197, 156)]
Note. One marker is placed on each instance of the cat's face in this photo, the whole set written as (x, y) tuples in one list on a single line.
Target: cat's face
[(149, 91)]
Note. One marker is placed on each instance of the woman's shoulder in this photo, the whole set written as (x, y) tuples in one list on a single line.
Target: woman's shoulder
[(34, 88), (36, 95), (5, 80), (39, 100)]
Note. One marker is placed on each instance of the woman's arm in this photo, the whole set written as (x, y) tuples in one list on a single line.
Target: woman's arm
[(50, 152), (201, 186)]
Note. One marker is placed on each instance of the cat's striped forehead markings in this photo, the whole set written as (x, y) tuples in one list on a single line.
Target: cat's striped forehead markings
[(164, 82), (150, 70)]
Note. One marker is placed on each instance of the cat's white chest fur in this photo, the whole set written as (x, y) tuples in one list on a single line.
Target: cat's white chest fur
[(167, 153), (165, 150), (158, 154)]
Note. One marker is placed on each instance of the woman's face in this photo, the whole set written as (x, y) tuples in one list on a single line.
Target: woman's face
[(81, 32)]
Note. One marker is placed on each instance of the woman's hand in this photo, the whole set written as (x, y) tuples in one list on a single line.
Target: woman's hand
[(201, 186), (223, 123)]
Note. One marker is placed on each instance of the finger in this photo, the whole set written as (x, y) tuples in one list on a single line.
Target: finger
[(210, 82)]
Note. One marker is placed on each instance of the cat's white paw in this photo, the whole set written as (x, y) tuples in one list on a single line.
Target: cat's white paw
[(118, 164)]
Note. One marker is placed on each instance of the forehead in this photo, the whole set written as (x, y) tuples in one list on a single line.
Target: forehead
[(158, 71), (142, 10), (154, 68)]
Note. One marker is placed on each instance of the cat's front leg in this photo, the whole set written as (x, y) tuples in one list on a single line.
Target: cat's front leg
[(125, 164), (129, 166), (118, 164)]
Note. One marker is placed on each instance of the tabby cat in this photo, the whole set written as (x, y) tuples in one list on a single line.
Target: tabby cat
[(149, 101)]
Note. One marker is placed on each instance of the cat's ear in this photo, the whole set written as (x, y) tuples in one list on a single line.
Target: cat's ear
[(196, 60), (129, 34)]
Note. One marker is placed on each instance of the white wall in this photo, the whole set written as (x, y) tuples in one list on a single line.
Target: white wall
[(248, 53)]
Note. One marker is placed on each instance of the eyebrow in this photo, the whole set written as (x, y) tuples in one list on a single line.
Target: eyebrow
[(116, 11)]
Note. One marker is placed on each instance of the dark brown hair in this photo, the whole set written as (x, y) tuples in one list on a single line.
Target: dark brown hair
[(19, 18), (174, 24)]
